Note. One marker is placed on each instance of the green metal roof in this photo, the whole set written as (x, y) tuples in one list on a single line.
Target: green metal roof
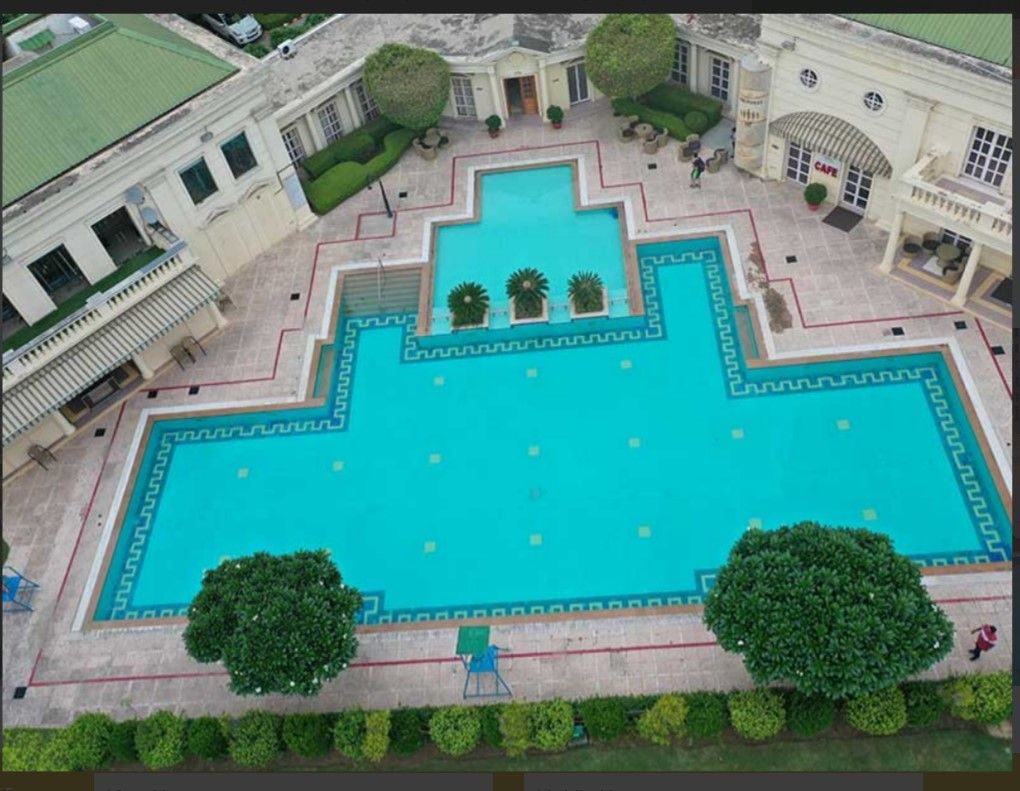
[(83, 96), (985, 36)]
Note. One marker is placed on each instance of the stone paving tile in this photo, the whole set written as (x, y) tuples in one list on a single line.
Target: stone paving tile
[(837, 286)]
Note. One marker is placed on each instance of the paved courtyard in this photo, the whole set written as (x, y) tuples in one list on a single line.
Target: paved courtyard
[(53, 520)]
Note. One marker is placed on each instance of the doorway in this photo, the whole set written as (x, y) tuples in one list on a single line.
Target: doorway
[(856, 189), (118, 234), (521, 96)]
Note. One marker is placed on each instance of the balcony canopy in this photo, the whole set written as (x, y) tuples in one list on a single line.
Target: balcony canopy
[(834, 137)]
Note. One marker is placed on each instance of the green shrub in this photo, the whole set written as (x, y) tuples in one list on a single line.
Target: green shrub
[(552, 724), (467, 303), (757, 714), (377, 735), (815, 193), (89, 742), (356, 147), (56, 753), (585, 289), (349, 734), (255, 739), (270, 21), (378, 128), (411, 85), (308, 735), (808, 715), (680, 101), (554, 113), (314, 19), (455, 730), (696, 121), (207, 738), (706, 714), (986, 698), (664, 720), (925, 703), (628, 54), (24, 748), (278, 35), (491, 733), (348, 178), (880, 713), (658, 118), (256, 49), (122, 741), (406, 731), (493, 122), (605, 718), (515, 726), (160, 740), (527, 287)]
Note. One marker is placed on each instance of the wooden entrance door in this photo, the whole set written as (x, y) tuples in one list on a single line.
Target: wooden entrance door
[(529, 96)]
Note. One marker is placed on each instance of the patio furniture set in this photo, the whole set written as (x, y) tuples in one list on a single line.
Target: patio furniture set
[(631, 128), (948, 256), (428, 144)]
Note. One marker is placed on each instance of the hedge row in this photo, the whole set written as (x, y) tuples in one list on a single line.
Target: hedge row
[(257, 739), (279, 34), (359, 146), (657, 118), (679, 101)]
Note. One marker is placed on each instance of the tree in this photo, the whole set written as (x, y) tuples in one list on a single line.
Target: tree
[(627, 55), (279, 623), (833, 611), (411, 85)]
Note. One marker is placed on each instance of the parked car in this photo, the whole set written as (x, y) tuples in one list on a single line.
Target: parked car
[(240, 28)]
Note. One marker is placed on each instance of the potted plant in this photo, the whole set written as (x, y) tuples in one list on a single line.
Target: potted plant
[(494, 122), (588, 296), (469, 306), (527, 289), (814, 194), (555, 114)]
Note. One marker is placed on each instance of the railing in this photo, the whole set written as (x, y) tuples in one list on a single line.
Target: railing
[(93, 314), (920, 189)]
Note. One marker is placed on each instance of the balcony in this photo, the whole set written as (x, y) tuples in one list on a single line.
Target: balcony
[(965, 206)]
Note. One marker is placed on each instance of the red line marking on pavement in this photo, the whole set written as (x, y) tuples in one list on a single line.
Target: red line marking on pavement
[(970, 599), (995, 358)]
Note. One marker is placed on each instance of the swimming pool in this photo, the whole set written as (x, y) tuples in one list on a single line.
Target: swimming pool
[(603, 464)]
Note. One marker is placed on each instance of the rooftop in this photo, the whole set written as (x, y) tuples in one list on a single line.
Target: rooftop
[(985, 36), (71, 102)]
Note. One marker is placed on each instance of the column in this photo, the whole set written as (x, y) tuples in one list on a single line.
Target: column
[(315, 131), (497, 101), (142, 366), (217, 316), (693, 54), (543, 98), (908, 145), (63, 423), (960, 297), (352, 106), (894, 242)]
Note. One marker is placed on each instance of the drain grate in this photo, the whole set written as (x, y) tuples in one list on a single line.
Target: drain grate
[(998, 350), (960, 325), (153, 393), (791, 259), (99, 432), (193, 390), (19, 692), (897, 331), (652, 166), (295, 296)]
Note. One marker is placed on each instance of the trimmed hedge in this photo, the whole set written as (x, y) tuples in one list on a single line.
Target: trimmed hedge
[(89, 742), (349, 734), (809, 715), (664, 721), (491, 733), (348, 178), (707, 716), (680, 101), (880, 713), (925, 703), (122, 741), (160, 740), (255, 739), (24, 748), (278, 35), (657, 118), (455, 730), (358, 146), (407, 731), (757, 714), (377, 735), (605, 718), (207, 738), (308, 735), (987, 698)]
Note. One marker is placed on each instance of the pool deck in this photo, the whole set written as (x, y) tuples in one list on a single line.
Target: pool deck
[(53, 520)]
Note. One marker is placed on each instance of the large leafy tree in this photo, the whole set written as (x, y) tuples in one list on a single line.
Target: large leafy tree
[(279, 623), (411, 85), (833, 611), (627, 55)]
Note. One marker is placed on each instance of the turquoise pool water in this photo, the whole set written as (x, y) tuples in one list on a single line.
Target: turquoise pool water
[(527, 218), (538, 469)]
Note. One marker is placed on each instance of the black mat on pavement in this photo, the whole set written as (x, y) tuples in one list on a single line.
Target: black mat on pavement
[(842, 219)]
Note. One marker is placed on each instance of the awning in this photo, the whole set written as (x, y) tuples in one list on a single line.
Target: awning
[(834, 137), (73, 372)]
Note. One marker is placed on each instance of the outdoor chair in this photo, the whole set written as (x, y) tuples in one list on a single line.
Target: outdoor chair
[(425, 152), (626, 134), (685, 153), (651, 146), (662, 139), (912, 246), (17, 591), (930, 241)]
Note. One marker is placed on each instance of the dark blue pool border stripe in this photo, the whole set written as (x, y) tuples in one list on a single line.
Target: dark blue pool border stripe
[(741, 382)]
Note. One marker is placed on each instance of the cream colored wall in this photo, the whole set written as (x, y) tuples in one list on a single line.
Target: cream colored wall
[(16, 454), (484, 105), (951, 128), (198, 326)]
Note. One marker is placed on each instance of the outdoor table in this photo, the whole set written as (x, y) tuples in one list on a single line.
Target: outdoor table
[(643, 130), (432, 138), (947, 253)]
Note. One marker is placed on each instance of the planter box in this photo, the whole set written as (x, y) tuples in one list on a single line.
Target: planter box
[(483, 326), (574, 314), (543, 317)]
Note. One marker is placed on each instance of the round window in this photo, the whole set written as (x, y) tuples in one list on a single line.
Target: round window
[(808, 78), (873, 101)]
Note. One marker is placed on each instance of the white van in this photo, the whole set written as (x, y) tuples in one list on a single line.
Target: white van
[(240, 28)]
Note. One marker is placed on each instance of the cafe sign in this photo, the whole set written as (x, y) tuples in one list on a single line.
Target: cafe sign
[(827, 166)]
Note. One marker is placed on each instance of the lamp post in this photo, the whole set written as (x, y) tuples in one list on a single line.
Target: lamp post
[(386, 203)]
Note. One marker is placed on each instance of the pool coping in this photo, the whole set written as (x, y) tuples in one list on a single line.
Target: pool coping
[(947, 347)]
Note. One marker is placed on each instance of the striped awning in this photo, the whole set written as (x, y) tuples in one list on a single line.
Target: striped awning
[(834, 137), (74, 371)]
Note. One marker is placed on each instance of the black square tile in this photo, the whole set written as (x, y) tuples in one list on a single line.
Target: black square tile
[(193, 390), (402, 194), (897, 330), (294, 297), (998, 350), (791, 259), (652, 166), (100, 432), (153, 393), (19, 692), (960, 325)]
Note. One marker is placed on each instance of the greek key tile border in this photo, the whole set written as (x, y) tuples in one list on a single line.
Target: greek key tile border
[(650, 327)]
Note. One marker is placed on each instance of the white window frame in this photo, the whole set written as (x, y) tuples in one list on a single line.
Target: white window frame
[(681, 71), (808, 79), (369, 109), (463, 96), (982, 165), (798, 163), (862, 181), (294, 144), (576, 85), (719, 86), (961, 241), (329, 119)]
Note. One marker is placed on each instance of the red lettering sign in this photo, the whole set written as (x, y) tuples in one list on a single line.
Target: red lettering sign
[(828, 170)]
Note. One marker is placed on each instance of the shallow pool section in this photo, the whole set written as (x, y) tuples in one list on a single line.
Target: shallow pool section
[(498, 474), (528, 218)]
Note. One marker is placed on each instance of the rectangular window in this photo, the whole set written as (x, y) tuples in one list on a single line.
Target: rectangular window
[(58, 274), (198, 181), (330, 120), (720, 87), (292, 142), (577, 82), (681, 56), (798, 163), (989, 156), (369, 109), (463, 97), (857, 189), (238, 154), (952, 237)]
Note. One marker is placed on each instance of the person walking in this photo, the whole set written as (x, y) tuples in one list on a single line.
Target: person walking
[(986, 638), (696, 170)]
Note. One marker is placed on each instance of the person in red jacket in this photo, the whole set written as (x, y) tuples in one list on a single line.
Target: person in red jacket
[(985, 640)]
